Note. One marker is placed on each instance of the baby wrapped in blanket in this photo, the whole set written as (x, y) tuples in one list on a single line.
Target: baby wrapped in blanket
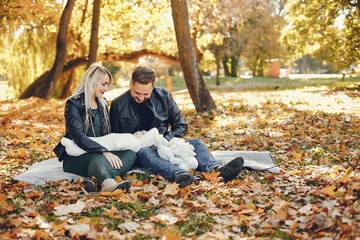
[(177, 151)]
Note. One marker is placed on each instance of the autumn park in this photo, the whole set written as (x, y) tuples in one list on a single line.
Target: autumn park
[(279, 77)]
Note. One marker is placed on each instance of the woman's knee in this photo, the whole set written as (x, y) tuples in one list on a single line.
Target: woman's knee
[(98, 161), (130, 155)]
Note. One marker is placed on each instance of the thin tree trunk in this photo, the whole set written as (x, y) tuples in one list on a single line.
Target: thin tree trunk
[(225, 66), (71, 79), (94, 33), (217, 60), (199, 93), (234, 65), (44, 86), (261, 68), (67, 88)]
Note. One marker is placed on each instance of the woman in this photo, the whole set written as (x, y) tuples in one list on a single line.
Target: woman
[(86, 115)]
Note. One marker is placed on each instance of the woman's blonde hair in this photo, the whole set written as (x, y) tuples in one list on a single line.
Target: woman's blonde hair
[(92, 76)]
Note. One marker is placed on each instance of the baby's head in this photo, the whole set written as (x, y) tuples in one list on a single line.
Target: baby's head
[(139, 134)]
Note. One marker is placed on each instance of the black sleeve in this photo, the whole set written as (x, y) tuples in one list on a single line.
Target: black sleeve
[(74, 126), (114, 118), (176, 120)]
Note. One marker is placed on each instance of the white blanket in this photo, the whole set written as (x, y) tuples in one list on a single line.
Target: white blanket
[(51, 170)]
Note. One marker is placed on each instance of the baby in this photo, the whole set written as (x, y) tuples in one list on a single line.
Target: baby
[(176, 150)]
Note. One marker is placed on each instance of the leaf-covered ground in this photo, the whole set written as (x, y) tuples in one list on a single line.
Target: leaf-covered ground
[(313, 135)]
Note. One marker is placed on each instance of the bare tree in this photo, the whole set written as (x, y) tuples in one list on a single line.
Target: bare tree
[(199, 93)]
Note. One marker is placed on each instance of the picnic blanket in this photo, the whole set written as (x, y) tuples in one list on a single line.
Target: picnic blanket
[(51, 170)]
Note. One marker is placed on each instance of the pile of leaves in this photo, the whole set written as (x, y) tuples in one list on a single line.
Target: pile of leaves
[(313, 136)]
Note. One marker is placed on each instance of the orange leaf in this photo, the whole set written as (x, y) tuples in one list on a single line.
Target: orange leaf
[(171, 236), (212, 176), (280, 216), (59, 227), (294, 226), (345, 177), (261, 210)]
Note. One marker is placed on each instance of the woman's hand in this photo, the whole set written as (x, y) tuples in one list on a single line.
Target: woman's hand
[(114, 160)]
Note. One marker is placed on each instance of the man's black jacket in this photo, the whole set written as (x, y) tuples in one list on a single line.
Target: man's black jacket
[(124, 114)]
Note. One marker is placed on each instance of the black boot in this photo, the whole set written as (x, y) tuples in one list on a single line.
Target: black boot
[(110, 185), (184, 179), (124, 185), (232, 169), (89, 185)]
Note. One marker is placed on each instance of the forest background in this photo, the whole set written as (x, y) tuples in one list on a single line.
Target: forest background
[(231, 38), (310, 126)]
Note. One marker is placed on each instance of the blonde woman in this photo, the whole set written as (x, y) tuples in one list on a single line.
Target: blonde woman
[(86, 115)]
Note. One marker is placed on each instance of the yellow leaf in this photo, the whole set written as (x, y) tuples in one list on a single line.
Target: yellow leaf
[(113, 193), (329, 190), (251, 206), (118, 179), (345, 177), (112, 212), (85, 220), (59, 227)]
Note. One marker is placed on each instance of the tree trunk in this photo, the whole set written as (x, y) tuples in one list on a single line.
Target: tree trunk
[(43, 87), (67, 88), (199, 93), (261, 68), (234, 65), (217, 60), (225, 66), (198, 54), (94, 33)]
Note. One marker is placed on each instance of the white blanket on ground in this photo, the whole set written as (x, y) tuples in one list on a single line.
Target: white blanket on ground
[(51, 170)]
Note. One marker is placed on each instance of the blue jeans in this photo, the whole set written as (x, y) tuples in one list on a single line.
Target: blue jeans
[(154, 164)]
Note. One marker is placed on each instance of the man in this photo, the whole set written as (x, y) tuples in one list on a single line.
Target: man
[(145, 106)]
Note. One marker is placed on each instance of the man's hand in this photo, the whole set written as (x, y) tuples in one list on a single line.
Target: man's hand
[(114, 160)]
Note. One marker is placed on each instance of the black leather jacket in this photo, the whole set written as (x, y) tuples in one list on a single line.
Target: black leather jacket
[(74, 127), (124, 114)]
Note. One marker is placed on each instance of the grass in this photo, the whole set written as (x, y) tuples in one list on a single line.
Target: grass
[(258, 83)]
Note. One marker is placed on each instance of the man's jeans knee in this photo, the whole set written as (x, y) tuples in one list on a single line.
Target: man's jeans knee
[(154, 164), (205, 159)]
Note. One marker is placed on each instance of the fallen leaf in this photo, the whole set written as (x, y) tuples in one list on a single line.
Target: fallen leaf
[(171, 189), (212, 176), (41, 223), (167, 235), (329, 190), (165, 218), (78, 207), (130, 226), (79, 230)]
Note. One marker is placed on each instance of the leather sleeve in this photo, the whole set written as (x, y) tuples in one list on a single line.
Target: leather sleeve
[(114, 118), (74, 126), (176, 120)]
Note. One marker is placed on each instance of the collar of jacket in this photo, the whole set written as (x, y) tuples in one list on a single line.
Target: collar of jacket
[(105, 127)]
